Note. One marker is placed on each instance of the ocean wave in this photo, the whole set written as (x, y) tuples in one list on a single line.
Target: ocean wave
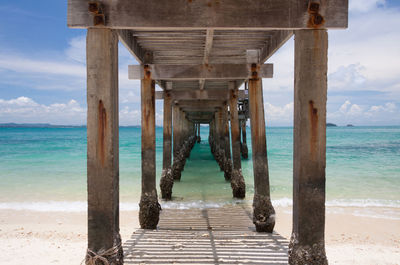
[(81, 206)]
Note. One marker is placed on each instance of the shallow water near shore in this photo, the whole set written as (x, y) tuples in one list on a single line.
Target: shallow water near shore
[(44, 169)]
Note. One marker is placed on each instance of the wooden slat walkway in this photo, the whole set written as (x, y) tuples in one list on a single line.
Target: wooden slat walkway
[(205, 236)]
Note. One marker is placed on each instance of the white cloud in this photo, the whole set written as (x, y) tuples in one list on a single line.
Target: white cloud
[(77, 49), (21, 64), (364, 5), (349, 113), (278, 115), (26, 110)]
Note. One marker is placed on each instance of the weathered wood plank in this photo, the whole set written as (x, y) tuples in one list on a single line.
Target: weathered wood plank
[(207, 51), (131, 44), (102, 141), (200, 71), (222, 14), (310, 95), (277, 39)]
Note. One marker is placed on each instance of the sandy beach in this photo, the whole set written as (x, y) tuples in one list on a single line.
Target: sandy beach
[(60, 238)]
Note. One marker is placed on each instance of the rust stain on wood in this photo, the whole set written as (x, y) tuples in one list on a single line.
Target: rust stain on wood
[(102, 126), (147, 72), (255, 68), (316, 20), (94, 7), (313, 115)]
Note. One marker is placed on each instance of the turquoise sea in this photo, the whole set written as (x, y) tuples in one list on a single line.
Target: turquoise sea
[(44, 169)]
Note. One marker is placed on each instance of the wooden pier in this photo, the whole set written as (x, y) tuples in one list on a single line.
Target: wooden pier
[(203, 236), (201, 53)]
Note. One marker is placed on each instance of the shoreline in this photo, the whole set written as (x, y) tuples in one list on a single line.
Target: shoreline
[(60, 237)]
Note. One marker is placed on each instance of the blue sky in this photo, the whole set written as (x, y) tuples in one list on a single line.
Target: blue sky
[(43, 73)]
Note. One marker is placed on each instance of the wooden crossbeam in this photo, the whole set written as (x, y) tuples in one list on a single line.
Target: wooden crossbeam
[(221, 14), (207, 51), (220, 94), (278, 38), (131, 44), (199, 71)]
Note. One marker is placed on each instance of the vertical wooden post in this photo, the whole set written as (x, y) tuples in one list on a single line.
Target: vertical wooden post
[(235, 136), (198, 133), (227, 144), (264, 213), (167, 180), (177, 124), (102, 146), (149, 206), (243, 145), (176, 131), (307, 244), (237, 180), (167, 131)]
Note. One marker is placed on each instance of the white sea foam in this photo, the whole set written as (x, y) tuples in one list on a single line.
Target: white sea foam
[(48, 206), (361, 203), (81, 206)]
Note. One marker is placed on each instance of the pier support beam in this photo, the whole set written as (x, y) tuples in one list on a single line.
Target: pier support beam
[(167, 180), (243, 145), (264, 213), (198, 133), (237, 180), (149, 207), (102, 147), (227, 145), (307, 244)]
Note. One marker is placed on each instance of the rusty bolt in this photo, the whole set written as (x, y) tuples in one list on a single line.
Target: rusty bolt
[(318, 19), (98, 19), (313, 7), (94, 7)]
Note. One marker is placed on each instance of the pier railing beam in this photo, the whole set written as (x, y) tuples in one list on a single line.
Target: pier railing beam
[(149, 207), (310, 94), (102, 146), (237, 180), (264, 213), (167, 180)]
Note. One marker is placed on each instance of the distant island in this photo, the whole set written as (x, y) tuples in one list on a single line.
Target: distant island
[(331, 125), (37, 125), (350, 125)]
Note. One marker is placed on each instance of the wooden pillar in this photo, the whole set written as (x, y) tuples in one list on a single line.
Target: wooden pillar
[(102, 146), (264, 213), (175, 127), (310, 94), (177, 132), (198, 133), (237, 180), (235, 136), (149, 206), (227, 145), (167, 131), (167, 180), (243, 146)]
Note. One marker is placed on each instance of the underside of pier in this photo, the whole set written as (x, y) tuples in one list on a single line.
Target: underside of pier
[(209, 58)]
